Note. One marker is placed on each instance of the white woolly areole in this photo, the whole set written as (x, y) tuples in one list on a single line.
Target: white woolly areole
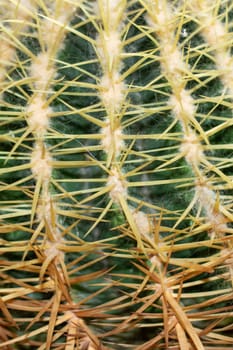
[(51, 33), (53, 251), (112, 92), (172, 62), (112, 139), (156, 261), (38, 115), (206, 196), (7, 52), (183, 105), (192, 148), (161, 18), (225, 63), (42, 71), (43, 209), (212, 29), (118, 185), (45, 212), (109, 50), (41, 163), (207, 199), (111, 11), (142, 222), (53, 30), (214, 32)]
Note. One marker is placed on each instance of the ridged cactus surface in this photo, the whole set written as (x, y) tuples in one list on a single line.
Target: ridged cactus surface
[(116, 174)]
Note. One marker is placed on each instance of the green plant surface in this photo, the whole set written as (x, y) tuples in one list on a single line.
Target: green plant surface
[(116, 148)]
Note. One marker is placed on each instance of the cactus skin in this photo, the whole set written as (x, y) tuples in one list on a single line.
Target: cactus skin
[(116, 174)]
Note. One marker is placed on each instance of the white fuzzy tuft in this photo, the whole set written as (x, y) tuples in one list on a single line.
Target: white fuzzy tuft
[(183, 106), (112, 139), (112, 92), (207, 199), (41, 163), (109, 50), (142, 222), (192, 149), (38, 115), (118, 185), (42, 71)]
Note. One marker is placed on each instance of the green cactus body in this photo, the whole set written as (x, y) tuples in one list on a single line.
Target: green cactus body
[(116, 174)]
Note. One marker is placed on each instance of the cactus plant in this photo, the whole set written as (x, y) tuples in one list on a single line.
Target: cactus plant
[(116, 174)]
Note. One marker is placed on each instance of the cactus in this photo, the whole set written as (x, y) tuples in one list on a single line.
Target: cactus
[(116, 174)]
